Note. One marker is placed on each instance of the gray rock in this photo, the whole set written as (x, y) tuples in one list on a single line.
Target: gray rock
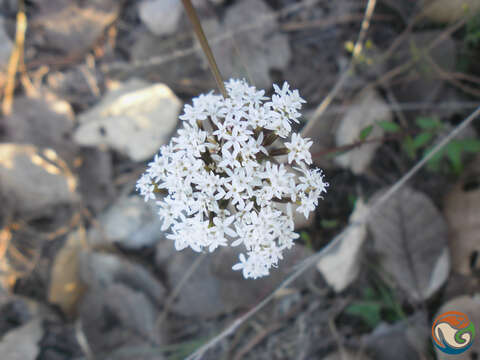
[(68, 27), (131, 222), (160, 16), (135, 120), (33, 183), (46, 123), (22, 343), (214, 288)]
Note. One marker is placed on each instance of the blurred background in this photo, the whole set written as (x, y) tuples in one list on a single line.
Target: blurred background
[(90, 89)]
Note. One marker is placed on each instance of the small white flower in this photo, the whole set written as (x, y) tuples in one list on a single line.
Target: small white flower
[(298, 149), (222, 182)]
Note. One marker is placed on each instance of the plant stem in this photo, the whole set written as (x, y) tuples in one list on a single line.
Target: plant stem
[(197, 27)]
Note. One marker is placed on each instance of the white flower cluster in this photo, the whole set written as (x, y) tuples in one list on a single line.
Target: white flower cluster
[(220, 181)]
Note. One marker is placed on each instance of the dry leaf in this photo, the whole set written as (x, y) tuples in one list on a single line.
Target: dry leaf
[(366, 109), (341, 265), (65, 285), (410, 235), (462, 209)]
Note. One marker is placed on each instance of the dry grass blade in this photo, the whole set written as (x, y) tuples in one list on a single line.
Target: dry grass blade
[(15, 58)]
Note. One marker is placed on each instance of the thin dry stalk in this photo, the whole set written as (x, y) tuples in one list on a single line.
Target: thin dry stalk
[(197, 27), (15, 58)]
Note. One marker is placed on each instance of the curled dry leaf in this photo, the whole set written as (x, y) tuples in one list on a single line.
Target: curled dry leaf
[(410, 236), (462, 207), (341, 266)]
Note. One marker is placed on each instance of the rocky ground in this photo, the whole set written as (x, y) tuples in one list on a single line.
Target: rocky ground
[(96, 88)]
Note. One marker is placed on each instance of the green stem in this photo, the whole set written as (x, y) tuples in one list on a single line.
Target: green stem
[(197, 27)]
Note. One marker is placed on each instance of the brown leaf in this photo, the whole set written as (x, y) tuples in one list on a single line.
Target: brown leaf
[(65, 285), (462, 207), (410, 236)]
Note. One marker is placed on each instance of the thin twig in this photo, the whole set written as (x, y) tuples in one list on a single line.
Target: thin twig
[(15, 57), (311, 260), (339, 85), (197, 27)]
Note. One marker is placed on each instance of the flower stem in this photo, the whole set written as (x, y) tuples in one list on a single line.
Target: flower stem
[(197, 27)]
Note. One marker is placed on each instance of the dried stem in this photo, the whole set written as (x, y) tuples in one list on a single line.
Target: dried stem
[(15, 58), (197, 27)]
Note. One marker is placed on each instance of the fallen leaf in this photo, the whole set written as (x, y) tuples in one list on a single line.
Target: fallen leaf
[(65, 286), (341, 265), (367, 109), (410, 236), (462, 207)]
